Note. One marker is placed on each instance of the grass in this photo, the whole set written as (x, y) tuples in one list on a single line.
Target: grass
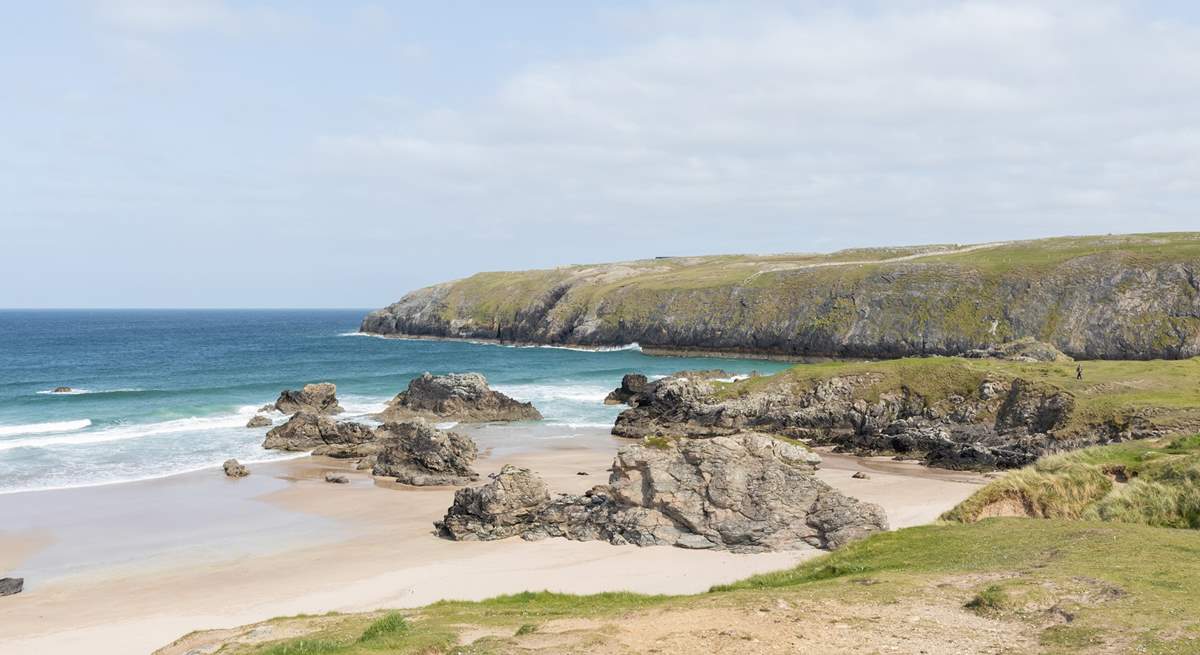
[(1149, 482), (1122, 583)]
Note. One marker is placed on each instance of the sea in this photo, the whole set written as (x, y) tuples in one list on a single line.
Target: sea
[(156, 393)]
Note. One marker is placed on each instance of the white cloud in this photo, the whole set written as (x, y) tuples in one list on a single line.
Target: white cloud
[(993, 117)]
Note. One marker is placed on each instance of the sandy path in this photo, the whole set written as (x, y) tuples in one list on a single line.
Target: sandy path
[(889, 260), (375, 549)]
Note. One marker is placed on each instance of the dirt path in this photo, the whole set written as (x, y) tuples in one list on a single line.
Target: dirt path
[(889, 260)]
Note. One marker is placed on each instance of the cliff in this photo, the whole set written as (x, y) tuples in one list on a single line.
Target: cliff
[(1109, 297)]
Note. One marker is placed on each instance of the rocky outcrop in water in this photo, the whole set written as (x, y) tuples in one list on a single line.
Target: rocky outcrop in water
[(1111, 297), (419, 454), (11, 586), (463, 397), (320, 398), (631, 385), (744, 493), (258, 421), (235, 469), (1003, 423), (321, 434)]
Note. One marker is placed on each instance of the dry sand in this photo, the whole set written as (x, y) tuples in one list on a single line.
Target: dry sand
[(161, 558)]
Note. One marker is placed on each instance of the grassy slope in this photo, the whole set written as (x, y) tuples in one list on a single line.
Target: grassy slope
[(1123, 587), (1166, 392)]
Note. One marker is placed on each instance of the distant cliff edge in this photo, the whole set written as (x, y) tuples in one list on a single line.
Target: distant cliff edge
[(1102, 297)]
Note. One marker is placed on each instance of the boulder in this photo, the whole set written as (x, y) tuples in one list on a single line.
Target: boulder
[(336, 478), (11, 586), (631, 385), (307, 431), (463, 397), (419, 454), (235, 469), (746, 493), (320, 398), (258, 421), (62, 390)]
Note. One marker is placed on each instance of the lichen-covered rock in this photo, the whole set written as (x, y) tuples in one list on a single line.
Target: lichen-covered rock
[(320, 398), (631, 385), (235, 469), (307, 431), (258, 421), (419, 454), (463, 397), (745, 493)]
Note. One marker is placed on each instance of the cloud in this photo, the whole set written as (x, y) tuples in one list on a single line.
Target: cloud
[(981, 119)]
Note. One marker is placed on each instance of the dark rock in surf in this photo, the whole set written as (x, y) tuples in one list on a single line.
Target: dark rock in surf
[(320, 398), (463, 397), (258, 421)]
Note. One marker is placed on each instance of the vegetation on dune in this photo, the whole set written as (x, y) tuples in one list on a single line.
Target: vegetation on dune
[(1149, 482), (1124, 587)]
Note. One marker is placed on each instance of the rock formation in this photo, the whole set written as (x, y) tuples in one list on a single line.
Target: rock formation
[(1003, 423), (11, 586), (62, 390), (631, 385), (321, 434), (235, 469), (258, 421), (320, 398), (1022, 350), (463, 397), (416, 453), (337, 478), (745, 493), (1104, 297)]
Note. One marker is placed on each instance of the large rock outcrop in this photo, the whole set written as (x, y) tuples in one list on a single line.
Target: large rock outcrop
[(306, 431), (1002, 422), (745, 493), (1109, 297), (319, 398), (419, 454), (463, 397)]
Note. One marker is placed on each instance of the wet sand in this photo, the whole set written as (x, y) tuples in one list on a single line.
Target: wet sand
[(130, 568)]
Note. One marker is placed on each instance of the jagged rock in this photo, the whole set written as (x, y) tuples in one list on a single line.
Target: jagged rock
[(235, 469), (463, 397), (631, 385), (745, 493), (268, 408), (320, 398), (11, 586), (1005, 423), (258, 421), (62, 390), (1021, 350), (308, 431), (859, 475), (419, 454), (336, 478)]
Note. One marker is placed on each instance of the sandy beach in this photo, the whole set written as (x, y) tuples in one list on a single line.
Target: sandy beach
[(199, 551)]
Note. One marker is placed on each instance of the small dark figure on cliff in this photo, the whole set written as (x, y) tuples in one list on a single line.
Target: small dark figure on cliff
[(1078, 372)]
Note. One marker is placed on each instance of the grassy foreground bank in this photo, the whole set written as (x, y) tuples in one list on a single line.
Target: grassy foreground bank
[(1000, 585)]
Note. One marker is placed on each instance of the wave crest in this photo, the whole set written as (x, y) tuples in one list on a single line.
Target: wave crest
[(43, 428)]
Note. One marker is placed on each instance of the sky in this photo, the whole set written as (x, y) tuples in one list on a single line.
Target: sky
[(215, 153)]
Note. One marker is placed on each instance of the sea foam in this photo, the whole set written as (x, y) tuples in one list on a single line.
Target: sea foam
[(42, 428)]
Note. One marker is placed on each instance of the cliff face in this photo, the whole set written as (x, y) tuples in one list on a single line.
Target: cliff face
[(1122, 297)]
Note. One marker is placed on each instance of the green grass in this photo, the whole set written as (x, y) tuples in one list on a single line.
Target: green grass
[(989, 600), (1149, 482)]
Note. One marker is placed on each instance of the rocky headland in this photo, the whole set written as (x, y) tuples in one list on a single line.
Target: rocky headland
[(462, 397), (745, 493), (1104, 297)]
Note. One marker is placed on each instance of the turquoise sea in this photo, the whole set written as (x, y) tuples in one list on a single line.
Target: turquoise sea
[(160, 392)]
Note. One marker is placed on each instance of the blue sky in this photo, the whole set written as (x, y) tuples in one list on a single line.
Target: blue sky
[(212, 153)]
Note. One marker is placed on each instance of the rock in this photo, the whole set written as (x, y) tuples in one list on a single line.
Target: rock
[(745, 493), (307, 431), (1021, 350), (258, 421), (266, 409), (337, 478), (62, 390), (320, 398), (631, 385), (581, 473), (235, 469), (859, 475), (419, 454), (11, 586), (463, 397)]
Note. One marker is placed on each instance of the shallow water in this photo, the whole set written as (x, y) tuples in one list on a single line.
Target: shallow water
[(163, 392)]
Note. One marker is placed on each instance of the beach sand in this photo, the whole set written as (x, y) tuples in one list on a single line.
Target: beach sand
[(129, 568)]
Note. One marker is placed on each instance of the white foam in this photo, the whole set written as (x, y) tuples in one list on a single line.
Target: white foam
[(445, 426), (361, 334), (550, 392), (126, 432), (43, 428)]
